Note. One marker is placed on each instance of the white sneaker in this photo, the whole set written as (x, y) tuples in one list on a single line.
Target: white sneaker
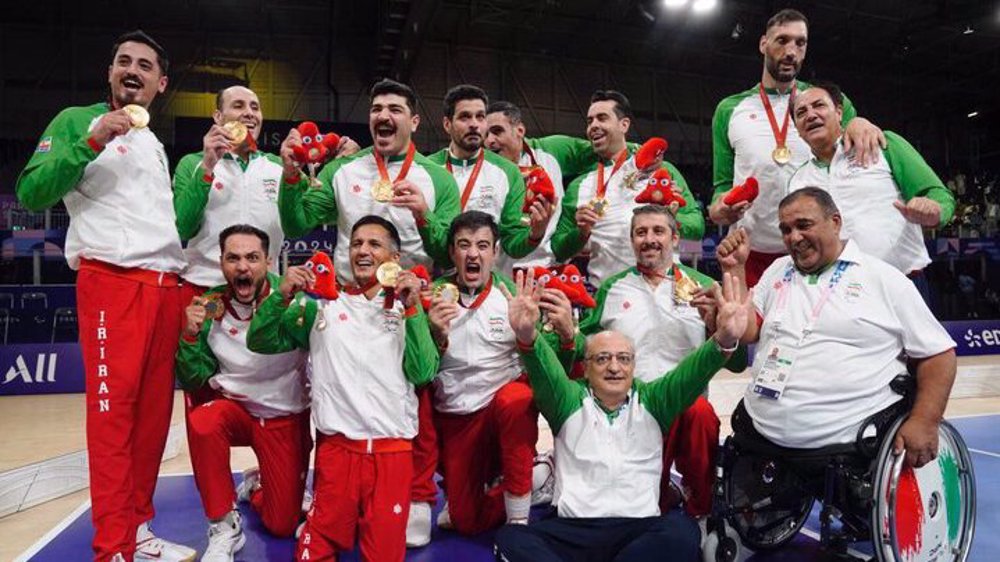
[(149, 547), (251, 481), (225, 538), (418, 526), (543, 479), (444, 518)]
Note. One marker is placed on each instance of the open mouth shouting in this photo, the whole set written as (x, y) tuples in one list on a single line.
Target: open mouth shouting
[(473, 273), (132, 84), (384, 132), (244, 288)]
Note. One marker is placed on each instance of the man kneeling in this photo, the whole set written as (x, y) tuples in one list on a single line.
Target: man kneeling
[(261, 401), (609, 439)]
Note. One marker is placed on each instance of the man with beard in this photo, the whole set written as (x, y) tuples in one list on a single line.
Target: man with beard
[(608, 432), (652, 304), (505, 135), (260, 401), (598, 205), (751, 137), (367, 353), (901, 179), (834, 326), (390, 180), (486, 181), (486, 423), (111, 171)]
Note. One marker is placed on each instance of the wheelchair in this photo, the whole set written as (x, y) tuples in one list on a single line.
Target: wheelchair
[(764, 493)]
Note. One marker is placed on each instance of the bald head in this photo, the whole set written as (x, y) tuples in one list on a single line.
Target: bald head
[(239, 103)]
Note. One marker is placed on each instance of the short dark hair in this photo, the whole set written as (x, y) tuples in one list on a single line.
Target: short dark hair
[(265, 240), (463, 92), (788, 15), (653, 210), (389, 86), (385, 224), (512, 111), (821, 197), (832, 90), (623, 108), (140, 36), (473, 220)]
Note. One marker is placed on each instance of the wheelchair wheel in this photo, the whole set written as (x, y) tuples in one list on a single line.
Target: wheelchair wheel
[(926, 513), (767, 502), (721, 549)]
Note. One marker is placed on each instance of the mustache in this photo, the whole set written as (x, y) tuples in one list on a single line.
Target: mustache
[(650, 246)]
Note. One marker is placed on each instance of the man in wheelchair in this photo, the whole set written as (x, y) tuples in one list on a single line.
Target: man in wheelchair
[(834, 329)]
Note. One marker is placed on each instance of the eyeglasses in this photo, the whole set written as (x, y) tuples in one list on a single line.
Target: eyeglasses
[(603, 359)]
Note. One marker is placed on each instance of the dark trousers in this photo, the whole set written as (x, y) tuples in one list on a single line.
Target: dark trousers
[(611, 539)]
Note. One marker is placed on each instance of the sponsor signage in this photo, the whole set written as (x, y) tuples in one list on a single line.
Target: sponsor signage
[(41, 369), (975, 337)]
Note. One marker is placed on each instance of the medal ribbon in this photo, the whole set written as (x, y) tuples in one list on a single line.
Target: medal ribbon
[(786, 282), (602, 187), (228, 297), (360, 290), (480, 297), (779, 135), (383, 170), (472, 178), (530, 153)]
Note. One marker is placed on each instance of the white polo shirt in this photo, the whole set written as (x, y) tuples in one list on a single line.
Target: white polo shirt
[(865, 197), (663, 330), (481, 356), (840, 373)]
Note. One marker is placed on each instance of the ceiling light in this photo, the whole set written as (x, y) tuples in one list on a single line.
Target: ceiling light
[(674, 4), (968, 29), (702, 6), (972, 114)]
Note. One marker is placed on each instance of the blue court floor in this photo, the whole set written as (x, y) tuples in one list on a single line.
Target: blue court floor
[(180, 518)]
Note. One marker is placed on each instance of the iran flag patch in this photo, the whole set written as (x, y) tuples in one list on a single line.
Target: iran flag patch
[(44, 145)]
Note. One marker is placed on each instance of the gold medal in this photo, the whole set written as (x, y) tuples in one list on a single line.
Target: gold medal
[(382, 190), (388, 273), (685, 289), (213, 307), (782, 155), (137, 115), (599, 205), (446, 292), (237, 131), (634, 179)]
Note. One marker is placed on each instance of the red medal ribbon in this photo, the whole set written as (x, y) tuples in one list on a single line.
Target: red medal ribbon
[(779, 136), (472, 178), (383, 170), (602, 187), (480, 297), (530, 153)]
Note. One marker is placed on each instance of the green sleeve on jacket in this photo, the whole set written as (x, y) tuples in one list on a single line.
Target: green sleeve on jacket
[(566, 240), (303, 208), (914, 176), (849, 111), (514, 234), (275, 328), (190, 195), (60, 158), (195, 362), (420, 356), (690, 219), (574, 155), (723, 155), (434, 233), (556, 396), (672, 393)]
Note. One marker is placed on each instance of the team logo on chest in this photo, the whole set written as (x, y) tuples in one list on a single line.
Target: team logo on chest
[(271, 189), (391, 319), (497, 327)]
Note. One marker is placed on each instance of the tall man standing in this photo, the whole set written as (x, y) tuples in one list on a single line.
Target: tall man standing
[(111, 171), (752, 137), (390, 180)]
